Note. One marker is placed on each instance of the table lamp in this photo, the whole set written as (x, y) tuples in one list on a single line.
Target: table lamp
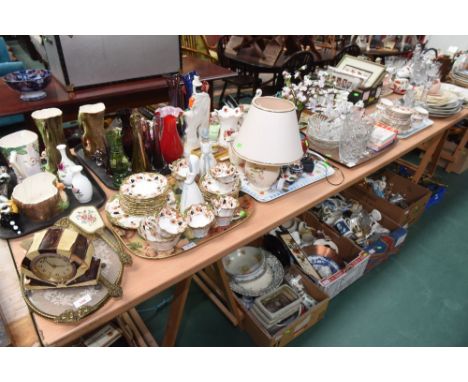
[(268, 139)]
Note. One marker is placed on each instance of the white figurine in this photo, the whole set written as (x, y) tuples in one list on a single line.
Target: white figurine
[(191, 194), (197, 118), (207, 159)]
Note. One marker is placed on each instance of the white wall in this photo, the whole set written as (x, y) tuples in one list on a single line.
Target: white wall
[(442, 42)]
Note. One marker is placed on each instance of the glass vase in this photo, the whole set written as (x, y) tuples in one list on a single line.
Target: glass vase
[(118, 161), (170, 142), (140, 162)]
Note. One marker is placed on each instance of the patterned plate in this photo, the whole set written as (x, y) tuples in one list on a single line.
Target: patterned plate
[(270, 280)]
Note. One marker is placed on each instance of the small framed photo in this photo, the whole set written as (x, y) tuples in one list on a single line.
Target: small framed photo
[(370, 71)]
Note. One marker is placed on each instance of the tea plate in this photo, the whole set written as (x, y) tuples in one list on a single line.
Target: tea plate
[(117, 216), (144, 185)]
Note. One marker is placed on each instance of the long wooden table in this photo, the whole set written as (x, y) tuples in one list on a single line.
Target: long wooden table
[(145, 278), (133, 93)]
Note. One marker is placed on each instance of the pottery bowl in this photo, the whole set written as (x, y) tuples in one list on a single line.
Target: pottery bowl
[(28, 80), (245, 263)]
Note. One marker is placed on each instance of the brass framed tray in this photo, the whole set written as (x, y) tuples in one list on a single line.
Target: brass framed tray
[(137, 246), (70, 305)]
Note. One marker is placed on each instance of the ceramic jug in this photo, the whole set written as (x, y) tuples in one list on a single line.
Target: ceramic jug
[(21, 149), (81, 186), (229, 121), (64, 167)]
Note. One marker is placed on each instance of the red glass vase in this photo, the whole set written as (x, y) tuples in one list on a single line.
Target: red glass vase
[(170, 142)]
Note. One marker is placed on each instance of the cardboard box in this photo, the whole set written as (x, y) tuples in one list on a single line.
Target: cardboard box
[(354, 256), (393, 241), (416, 197), (263, 338)]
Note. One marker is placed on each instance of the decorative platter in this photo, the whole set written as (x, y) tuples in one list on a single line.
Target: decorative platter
[(137, 246), (321, 171), (70, 305)]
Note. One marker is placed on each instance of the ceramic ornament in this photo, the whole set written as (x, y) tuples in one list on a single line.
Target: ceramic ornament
[(229, 120), (49, 124), (81, 186), (207, 159), (191, 194), (63, 169), (197, 118), (91, 121)]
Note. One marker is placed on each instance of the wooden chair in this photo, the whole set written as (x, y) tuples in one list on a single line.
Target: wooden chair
[(293, 63), (245, 79), (197, 46), (352, 50)]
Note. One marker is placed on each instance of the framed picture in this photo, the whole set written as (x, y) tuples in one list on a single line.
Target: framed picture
[(370, 71)]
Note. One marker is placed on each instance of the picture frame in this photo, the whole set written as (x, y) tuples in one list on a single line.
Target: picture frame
[(371, 71)]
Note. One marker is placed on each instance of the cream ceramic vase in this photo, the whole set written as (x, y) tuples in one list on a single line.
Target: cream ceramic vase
[(21, 149), (81, 186), (229, 121), (64, 167)]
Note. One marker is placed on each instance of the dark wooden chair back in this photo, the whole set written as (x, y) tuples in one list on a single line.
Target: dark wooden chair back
[(352, 50), (293, 63)]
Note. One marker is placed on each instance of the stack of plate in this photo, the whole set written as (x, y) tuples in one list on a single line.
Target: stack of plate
[(143, 193), (140, 195), (398, 117), (254, 271), (460, 77), (444, 104)]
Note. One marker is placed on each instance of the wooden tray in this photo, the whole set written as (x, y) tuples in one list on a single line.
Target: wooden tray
[(137, 246), (28, 226)]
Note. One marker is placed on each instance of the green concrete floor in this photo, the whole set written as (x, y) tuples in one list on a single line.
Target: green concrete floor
[(417, 298)]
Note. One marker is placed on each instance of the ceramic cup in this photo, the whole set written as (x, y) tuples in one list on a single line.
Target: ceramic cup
[(224, 208), (400, 85), (21, 149)]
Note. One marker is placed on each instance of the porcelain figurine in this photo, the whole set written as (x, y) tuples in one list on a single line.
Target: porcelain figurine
[(197, 118), (191, 194), (229, 120), (81, 186), (233, 157), (64, 167), (207, 159)]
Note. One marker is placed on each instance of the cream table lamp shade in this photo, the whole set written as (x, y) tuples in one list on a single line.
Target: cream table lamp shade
[(270, 133)]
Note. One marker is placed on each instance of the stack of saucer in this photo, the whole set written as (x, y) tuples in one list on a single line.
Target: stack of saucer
[(143, 193), (460, 77), (444, 104), (223, 180), (398, 117)]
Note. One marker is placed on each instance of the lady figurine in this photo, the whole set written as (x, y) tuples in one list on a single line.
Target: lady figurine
[(229, 120), (191, 194), (197, 118), (81, 186), (207, 159)]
